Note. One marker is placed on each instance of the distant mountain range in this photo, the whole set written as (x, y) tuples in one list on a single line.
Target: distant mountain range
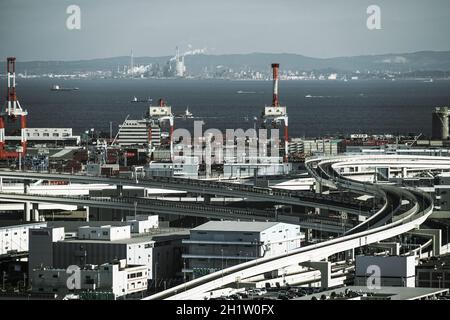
[(405, 62)]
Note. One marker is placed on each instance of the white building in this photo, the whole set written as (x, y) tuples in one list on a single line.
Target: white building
[(241, 170), (108, 233), (186, 167), (143, 223), (118, 278), (52, 135), (221, 244), (316, 147), (15, 237), (159, 250)]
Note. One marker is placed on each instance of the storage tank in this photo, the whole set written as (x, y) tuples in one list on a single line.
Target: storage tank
[(440, 123)]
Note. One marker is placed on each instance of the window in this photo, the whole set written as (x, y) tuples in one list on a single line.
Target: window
[(55, 276), (105, 233), (46, 134)]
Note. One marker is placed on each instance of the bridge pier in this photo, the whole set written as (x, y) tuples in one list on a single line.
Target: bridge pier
[(308, 235), (119, 189), (325, 271), (26, 211), (350, 254), (394, 247), (318, 188), (434, 234), (27, 205), (35, 211)]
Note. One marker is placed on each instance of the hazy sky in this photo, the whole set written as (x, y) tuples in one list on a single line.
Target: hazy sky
[(36, 29)]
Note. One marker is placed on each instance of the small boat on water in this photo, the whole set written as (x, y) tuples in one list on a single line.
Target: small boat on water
[(136, 100), (246, 92), (186, 114), (56, 87)]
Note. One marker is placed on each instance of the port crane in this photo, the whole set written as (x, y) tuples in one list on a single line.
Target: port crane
[(13, 111)]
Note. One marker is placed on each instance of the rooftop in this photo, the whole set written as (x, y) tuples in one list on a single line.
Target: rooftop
[(155, 235), (4, 224), (242, 226)]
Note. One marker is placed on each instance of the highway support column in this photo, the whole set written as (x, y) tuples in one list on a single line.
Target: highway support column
[(325, 271), (35, 211), (27, 205), (393, 247), (434, 234)]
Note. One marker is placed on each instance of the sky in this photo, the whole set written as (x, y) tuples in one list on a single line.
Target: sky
[(36, 30)]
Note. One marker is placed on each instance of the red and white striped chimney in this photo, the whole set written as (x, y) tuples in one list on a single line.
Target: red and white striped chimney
[(275, 67)]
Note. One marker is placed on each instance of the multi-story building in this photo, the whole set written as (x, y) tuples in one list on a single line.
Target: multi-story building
[(327, 147), (156, 248), (442, 192), (434, 273), (14, 237), (117, 278), (220, 244)]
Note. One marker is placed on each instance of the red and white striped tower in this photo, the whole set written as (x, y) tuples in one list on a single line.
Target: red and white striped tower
[(13, 111), (275, 67), (276, 104), (2, 133), (286, 139)]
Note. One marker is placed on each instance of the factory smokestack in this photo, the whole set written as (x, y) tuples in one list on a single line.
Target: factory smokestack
[(275, 67)]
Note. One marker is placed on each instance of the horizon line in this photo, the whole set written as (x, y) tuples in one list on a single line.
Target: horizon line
[(242, 54)]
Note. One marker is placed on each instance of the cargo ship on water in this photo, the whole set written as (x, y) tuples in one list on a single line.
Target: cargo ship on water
[(56, 87)]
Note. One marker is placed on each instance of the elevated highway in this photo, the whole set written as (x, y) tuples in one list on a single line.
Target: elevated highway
[(333, 202), (391, 220)]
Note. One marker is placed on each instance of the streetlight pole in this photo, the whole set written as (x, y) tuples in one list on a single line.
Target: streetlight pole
[(447, 237), (256, 251), (222, 264), (156, 274)]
